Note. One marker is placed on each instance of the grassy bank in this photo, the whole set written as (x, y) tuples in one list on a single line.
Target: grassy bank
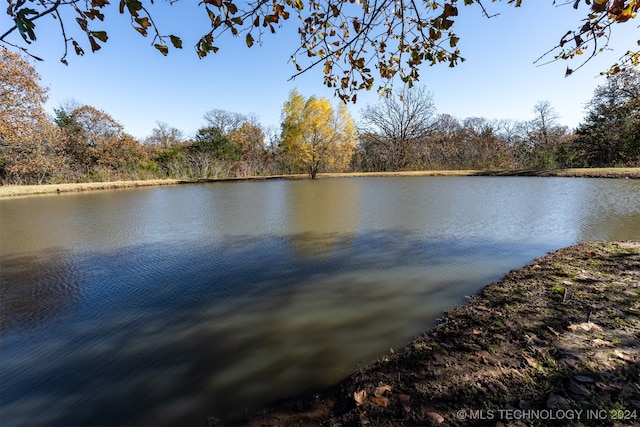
[(31, 190), (554, 343)]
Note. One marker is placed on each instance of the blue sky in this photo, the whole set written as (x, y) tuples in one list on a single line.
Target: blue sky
[(137, 86)]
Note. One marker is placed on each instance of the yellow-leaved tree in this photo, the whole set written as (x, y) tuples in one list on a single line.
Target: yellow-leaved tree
[(347, 138), (314, 137)]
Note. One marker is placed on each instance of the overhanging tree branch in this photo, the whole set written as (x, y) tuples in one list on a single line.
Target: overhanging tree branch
[(53, 8), (356, 41)]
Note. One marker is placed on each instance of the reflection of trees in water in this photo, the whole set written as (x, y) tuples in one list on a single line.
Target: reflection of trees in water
[(323, 217), (37, 290), (320, 246)]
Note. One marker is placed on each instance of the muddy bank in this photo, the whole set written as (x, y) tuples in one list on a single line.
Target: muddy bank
[(554, 343), (627, 173), (32, 190)]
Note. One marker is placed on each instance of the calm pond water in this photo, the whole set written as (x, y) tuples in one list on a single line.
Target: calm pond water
[(162, 306)]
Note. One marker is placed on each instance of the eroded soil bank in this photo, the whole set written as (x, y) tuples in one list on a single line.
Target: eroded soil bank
[(554, 343)]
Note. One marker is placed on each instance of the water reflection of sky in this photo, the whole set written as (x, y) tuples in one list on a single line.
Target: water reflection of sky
[(168, 305)]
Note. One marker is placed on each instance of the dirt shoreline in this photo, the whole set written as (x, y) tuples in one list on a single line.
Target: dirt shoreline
[(7, 191), (556, 342)]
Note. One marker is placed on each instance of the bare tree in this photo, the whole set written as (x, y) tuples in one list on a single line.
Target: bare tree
[(164, 136), (545, 136), (226, 121), (400, 125), (546, 119)]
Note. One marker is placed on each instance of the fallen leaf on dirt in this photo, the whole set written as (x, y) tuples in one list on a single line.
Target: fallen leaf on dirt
[(405, 400), (533, 338), (605, 385), (380, 400), (624, 356), (434, 416), (379, 391), (477, 332), (489, 360), (530, 361), (516, 373), (502, 387), (360, 396), (586, 326), (557, 402)]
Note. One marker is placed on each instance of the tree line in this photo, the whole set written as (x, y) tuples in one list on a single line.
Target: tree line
[(83, 143)]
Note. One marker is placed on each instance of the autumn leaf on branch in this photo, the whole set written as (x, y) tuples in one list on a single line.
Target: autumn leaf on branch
[(593, 36), (358, 44), (163, 49)]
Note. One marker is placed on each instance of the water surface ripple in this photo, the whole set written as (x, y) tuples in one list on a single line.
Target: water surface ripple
[(162, 306)]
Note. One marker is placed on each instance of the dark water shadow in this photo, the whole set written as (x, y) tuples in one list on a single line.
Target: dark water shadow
[(171, 334)]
